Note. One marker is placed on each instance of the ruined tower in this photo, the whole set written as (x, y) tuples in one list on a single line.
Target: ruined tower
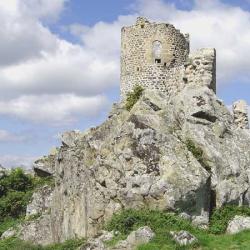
[(156, 56)]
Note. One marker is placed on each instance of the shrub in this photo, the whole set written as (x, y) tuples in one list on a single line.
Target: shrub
[(197, 152), (220, 217), (16, 180), (133, 97), (128, 220), (16, 189)]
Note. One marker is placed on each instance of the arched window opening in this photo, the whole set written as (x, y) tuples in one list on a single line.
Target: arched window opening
[(157, 49)]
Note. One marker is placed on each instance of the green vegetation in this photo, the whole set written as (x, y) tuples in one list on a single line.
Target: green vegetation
[(197, 153), (220, 217), (162, 223), (16, 189), (16, 244), (133, 97)]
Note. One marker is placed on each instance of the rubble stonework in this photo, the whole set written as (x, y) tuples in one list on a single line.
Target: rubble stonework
[(156, 56), (241, 114)]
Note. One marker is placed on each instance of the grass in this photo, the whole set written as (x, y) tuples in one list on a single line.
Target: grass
[(133, 97), (16, 244), (162, 223), (220, 217)]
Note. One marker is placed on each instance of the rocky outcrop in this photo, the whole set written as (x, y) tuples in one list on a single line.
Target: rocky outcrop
[(40, 201), (238, 224), (45, 166), (183, 153), (37, 231), (240, 112)]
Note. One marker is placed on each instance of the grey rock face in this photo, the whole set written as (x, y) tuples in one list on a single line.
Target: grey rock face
[(45, 166), (37, 231), (241, 114), (40, 201), (69, 138), (8, 233), (183, 238), (238, 224), (183, 153)]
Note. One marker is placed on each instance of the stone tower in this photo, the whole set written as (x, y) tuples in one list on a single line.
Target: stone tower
[(149, 53), (156, 56)]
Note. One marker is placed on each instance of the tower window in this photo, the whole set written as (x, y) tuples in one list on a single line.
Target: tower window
[(142, 26), (157, 50), (138, 69)]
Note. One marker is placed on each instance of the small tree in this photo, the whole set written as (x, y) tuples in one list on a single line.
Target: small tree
[(133, 97)]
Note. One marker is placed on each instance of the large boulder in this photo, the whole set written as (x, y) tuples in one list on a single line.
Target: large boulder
[(183, 238), (45, 166), (37, 231), (138, 237), (238, 224)]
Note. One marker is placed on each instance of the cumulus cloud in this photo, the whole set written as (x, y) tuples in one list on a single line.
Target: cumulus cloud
[(6, 136), (42, 8), (53, 109), (41, 67), (10, 161)]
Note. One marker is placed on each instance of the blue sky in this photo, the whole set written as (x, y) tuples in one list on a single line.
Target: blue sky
[(59, 61)]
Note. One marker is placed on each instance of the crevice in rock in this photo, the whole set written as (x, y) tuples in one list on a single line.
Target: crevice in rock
[(212, 201), (205, 116), (152, 105)]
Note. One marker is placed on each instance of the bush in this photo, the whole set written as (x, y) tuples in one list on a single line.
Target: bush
[(16, 189), (220, 217), (17, 180), (129, 220), (133, 97)]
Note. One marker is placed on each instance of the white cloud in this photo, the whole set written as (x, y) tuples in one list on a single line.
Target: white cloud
[(6, 136), (53, 109), (42, 8), (10, 161)]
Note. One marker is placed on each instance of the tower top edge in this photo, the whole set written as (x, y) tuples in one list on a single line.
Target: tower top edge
[(143, 22)]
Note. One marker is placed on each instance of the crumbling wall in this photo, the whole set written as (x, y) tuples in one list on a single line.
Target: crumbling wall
[(152, 55), (240, 112)]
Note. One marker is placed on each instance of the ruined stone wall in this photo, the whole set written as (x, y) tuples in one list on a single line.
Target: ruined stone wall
[(200, 68), (156, 56), (153, 56), (241, 114)]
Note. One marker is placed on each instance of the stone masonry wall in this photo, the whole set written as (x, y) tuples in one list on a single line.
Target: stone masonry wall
[(241, 114), (200, 68), (160, 69)]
